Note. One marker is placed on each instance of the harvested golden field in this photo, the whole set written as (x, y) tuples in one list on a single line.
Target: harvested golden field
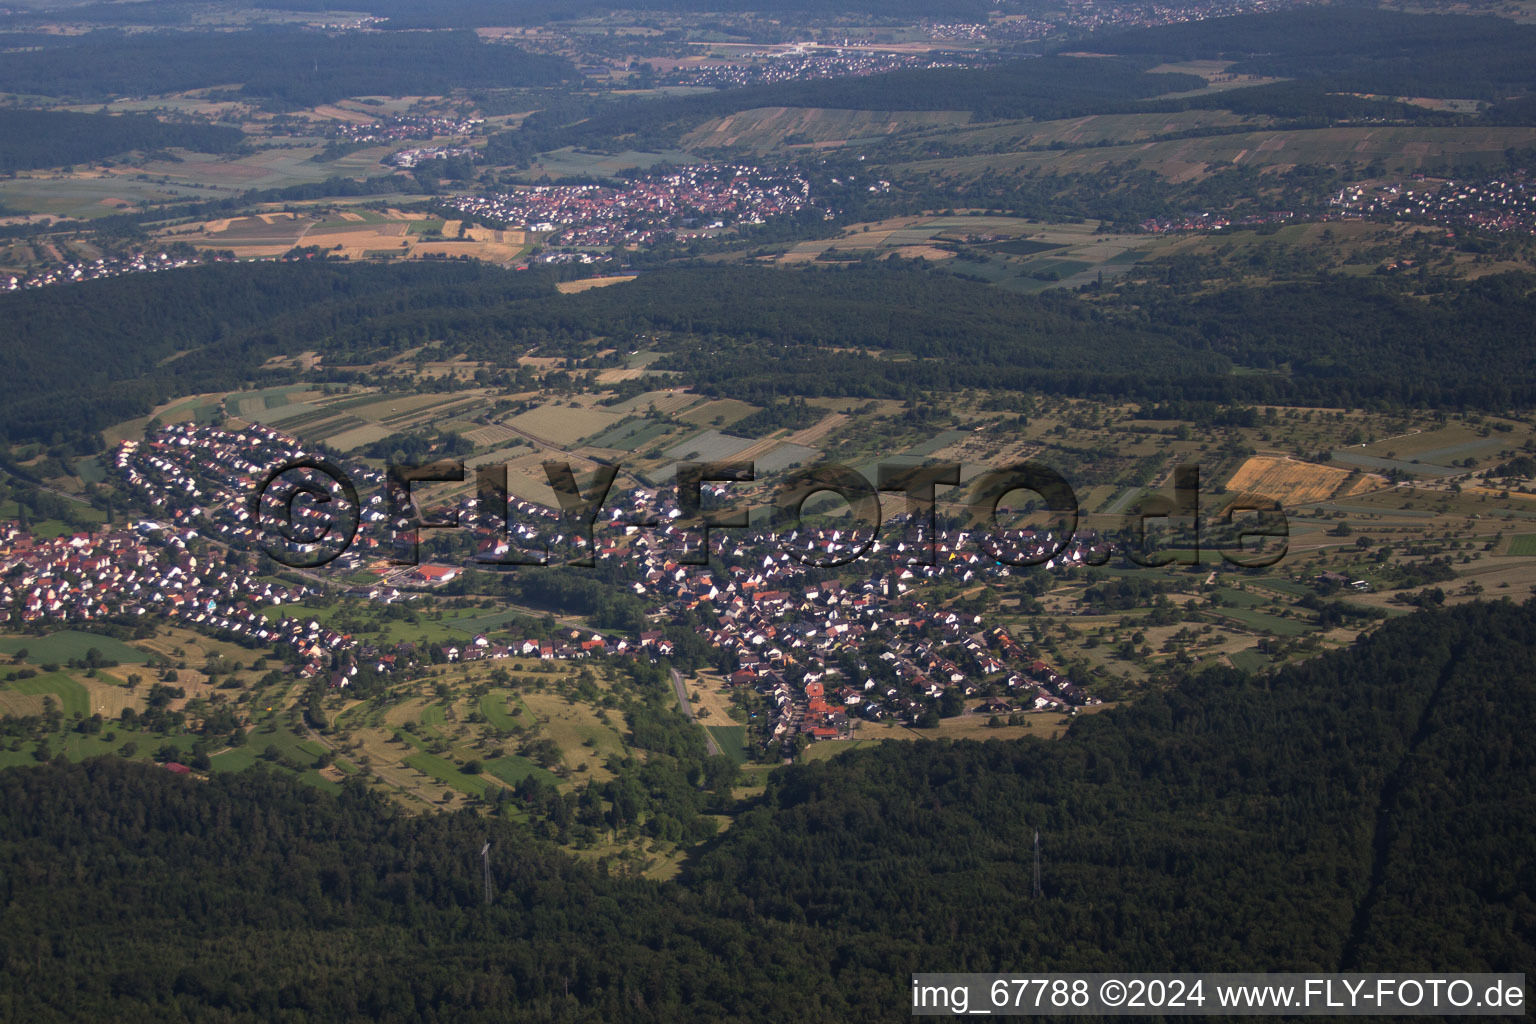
[(588, 283), (1298, 483)]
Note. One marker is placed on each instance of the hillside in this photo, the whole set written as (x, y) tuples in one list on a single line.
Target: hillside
[(1293, 821)]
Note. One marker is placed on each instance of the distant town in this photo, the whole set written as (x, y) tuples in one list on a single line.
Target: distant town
[(688, 201), (821, 648)]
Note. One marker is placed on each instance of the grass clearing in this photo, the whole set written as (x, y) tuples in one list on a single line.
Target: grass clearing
[(732, 740), (72, 697), (70, 645), (1523, 544), (513, 769), (494, 706)]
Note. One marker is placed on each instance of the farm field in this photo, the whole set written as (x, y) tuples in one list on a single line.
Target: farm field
[(563, 425), (1298, 483), (588, 283), (721, 412), (1523, 544), (69, 695), (664, 402), (709, 446), (364, 233), (566, 162), (70, 645), (1031, 256)]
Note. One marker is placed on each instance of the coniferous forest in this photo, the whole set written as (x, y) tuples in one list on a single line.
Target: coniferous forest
[(123, 345), (1369, 810)]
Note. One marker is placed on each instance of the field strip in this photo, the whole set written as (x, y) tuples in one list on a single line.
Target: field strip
[(810, 435)]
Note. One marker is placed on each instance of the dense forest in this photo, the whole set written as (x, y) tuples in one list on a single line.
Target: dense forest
[(122, 345), (1369, 810), (762, 334), (284, 68), (53, 138), (1355, 49)]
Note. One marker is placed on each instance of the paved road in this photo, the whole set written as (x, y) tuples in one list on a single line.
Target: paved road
[(682, 698)]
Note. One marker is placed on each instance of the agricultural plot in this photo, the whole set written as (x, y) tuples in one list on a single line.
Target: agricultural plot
[(88, 196), (1297, 483), (527, 479), (664, 403), (1523, 544), (710, 446), (631, 437), (71, 697), (363, 234), (565, 162), (497, 457), (721, 412), (784, 456), (563, 425), (586, 284), (356, 437), (70, 645), (943, 439), (1265, 623), (1352, 457), (493, 434)]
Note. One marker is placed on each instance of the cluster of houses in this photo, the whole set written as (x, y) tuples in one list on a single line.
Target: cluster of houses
[(149, 569), (875, 649), (399, 129), (1503, 204), (201, 478), (1209, 221), (1095, 14), (653, 208), (419, 155), (106, 266), (1500, 205), (823, 646), (800, 64)]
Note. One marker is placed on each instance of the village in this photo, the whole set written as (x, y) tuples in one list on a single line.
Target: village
[(107, 266), (799, 64), (653, 208), (1506, 204), (821, 649), (400, 129)]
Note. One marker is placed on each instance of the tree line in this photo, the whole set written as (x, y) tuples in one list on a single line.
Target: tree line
[(1301, 820)]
